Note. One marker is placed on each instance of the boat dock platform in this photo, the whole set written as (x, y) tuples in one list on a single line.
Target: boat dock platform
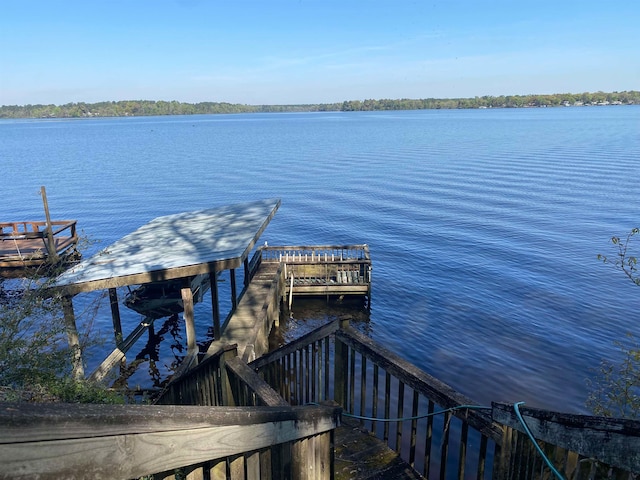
[(278, 274), (28, 245), (31, 243), (331, 404)]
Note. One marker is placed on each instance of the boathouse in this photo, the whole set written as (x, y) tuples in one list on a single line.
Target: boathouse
[(175, 248), (185, 254), (331, 404)]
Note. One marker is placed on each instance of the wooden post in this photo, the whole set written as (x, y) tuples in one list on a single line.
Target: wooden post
[(369, 288), (115, 316), (51, 244), (215, 307), (291, 292), (187, 301), (228, 399), (247, 273), (73, 338), (234, 293), (341, 367)]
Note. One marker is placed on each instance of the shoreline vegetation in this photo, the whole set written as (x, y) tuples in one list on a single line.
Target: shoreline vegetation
[(134, 108)]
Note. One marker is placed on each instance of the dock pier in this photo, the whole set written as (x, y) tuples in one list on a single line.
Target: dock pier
[(277, 275), (241, 411)]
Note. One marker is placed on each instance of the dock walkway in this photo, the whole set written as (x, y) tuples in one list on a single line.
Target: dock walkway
[(246, 326)]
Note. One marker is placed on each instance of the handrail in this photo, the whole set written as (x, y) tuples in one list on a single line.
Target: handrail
[(337, 363), (130, 441), (35, 224), (301, 342), (613, 442), (328, 252), (420, 381), (347, 371)]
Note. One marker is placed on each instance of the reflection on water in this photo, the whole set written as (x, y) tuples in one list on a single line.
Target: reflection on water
[(149, 355), (161, 355), (164, 350)]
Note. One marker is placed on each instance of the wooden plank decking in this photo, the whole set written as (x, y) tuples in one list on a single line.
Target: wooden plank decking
[(360, 455), (26, 244), (251, 322)]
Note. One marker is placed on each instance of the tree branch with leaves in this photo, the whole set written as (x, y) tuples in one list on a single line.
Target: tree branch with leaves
[(615, 390)]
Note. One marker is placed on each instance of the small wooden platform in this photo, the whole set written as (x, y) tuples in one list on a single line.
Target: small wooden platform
[(29, 244), (332, 270)]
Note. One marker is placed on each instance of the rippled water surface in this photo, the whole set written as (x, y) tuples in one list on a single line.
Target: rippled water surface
[(483, 225)]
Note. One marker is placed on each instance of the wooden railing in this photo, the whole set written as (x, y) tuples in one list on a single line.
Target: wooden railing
[(578, 446), (20, 242), (224, 379), (341, 270), (338, 363), (316, 254), (55, 441), (219, 421), (11, 230)]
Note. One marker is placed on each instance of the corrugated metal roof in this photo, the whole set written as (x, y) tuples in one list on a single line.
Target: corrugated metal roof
[(175, 246)]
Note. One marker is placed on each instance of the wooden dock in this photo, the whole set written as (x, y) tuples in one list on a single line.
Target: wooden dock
[(329, 270), (251, 321), (31, 244), (277, 274), (28, 245)]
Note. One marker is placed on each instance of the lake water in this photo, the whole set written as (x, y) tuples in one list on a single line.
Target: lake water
[(483, 225)]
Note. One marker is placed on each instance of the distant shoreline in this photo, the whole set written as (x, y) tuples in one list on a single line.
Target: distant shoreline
[(137, 108)]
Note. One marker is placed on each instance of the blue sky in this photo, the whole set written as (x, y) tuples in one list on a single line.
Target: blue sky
[(320, 51)]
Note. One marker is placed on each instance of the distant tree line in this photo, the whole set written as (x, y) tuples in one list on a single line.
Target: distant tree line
[(126, 108)]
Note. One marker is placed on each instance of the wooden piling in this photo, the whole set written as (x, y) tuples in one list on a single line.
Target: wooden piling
[(51, 245), (73, 338)]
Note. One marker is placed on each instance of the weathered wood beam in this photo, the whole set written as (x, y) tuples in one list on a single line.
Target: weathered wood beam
[(130, 441), (613, 441), (265, 393), (234, 293), (119, 352), (51, 245), (189, 321), (115, 315), (215, 304)]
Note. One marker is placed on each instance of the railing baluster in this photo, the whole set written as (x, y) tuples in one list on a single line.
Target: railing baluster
[(482, 457), (387, 405), (352, 379), (428, 440), (444, 450), (374, 399), (462, 454), (363, 385), (308, 374), (414, 428), (399, 415), (315, 380), (327, 369)]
